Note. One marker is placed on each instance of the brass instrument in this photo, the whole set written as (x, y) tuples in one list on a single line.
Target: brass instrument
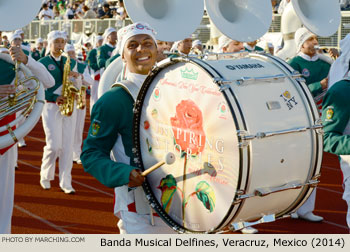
[(81, 98), (24, 98), (68, 91)]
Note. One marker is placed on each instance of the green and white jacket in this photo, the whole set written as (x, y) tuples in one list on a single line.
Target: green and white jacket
[(336, 121), (313, 70), (110, 135), (55, 68), (103, 54)]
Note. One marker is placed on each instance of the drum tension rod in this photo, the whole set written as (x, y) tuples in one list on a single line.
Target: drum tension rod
[(240, 225), (244, 137), (262, 192)]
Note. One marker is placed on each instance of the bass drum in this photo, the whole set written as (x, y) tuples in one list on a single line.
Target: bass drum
[(246, 135)]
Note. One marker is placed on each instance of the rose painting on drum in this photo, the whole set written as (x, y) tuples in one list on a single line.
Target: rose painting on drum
[(189, 140), (187, 126)]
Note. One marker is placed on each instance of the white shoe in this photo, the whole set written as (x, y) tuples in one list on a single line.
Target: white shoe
[(22, 144), (78, 161), (308, 217), (45, 184), (68, 190), (249, 230)]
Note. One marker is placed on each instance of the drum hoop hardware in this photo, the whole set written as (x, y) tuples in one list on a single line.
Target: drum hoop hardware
[(271, 78), (262, 192), (225, 84), (240, 225), (244, 137)]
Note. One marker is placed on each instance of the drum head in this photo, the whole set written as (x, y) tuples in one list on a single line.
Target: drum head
[(181, 110)]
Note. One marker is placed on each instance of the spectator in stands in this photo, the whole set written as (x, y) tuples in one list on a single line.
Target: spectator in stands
[(344, 4), (56, 13), (105, 12), (121, 11), (69, 13), (87, 13), (275, 6), (45, 13), (62, 10)]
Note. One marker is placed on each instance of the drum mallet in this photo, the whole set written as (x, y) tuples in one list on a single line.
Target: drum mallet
[(168, 159)]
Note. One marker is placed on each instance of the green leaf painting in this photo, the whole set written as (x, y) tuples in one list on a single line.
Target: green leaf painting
[(206, 195)]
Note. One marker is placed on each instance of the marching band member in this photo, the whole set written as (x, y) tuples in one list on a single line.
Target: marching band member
[(38, 47), (111, 130), (104, 52), (92, 62), (115, 54), (336, 116), (161, 47), (313, 68), (25, 45), (251, 46), (315, 72), (184, 46), (197, 46), (86, 80), (227, 45), (58, 129), (8, 155)]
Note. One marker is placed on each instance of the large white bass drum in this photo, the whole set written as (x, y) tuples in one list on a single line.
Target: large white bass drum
[(247, 138)]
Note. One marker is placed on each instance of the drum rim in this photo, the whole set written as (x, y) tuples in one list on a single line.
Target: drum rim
[(137, 147)]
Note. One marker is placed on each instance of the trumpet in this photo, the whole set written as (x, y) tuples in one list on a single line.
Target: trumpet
[(325, 50), (68, 91)]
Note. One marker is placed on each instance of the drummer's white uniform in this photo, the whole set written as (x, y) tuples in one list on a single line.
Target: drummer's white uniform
[(8, 159)]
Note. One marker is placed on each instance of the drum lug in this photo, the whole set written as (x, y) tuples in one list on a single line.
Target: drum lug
[(319, 127), (239, 197), (240, 225), (242, 134)]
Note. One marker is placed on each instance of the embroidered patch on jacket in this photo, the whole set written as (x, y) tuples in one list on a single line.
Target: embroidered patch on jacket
[(329, 114), (95, 128), (51, 67), (306, 72)]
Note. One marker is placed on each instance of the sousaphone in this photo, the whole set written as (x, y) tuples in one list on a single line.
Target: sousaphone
[(321, 17), (172, 19), (29, 102), (241, 20)]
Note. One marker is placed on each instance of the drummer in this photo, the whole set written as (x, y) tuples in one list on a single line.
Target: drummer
[(111, 130)]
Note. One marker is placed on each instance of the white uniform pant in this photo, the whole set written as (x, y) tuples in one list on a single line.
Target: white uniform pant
[(78, 135), (309, 204), (59, 131), (133, 223), (7, 187), (93, 94)]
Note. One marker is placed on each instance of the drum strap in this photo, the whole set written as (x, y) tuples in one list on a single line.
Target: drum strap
[(129, 87)]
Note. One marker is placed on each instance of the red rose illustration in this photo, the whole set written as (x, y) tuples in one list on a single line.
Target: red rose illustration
[(187, 126)]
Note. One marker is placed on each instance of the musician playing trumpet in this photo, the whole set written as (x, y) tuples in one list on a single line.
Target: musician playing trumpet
[(59, 128), (8, 156), (111, 131)]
